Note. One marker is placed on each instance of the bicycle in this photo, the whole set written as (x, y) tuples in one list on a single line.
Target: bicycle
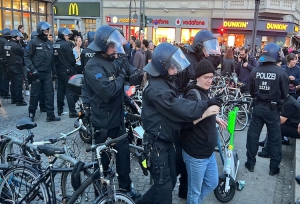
[(35, 184), (225, 190)]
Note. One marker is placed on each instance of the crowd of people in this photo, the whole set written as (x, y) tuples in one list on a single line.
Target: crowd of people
[(179, 116)]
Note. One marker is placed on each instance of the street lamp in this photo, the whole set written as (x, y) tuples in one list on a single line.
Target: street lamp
[(257, 2), (135, 17)]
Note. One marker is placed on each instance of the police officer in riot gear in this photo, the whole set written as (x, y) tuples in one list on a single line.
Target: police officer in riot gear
[(65, 62), (104, 83), (268, 85), (204, 44), (162, 115), (41, 65), (87, 53), (14, 59), (4, 76)]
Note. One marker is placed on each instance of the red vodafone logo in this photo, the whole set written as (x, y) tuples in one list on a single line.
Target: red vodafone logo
[(178, 22)]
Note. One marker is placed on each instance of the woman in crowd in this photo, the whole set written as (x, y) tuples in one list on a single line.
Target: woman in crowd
[(227, 63), (199, 138), (77, 51)]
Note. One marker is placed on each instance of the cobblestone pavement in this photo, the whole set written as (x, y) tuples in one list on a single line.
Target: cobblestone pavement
[(259, 187)]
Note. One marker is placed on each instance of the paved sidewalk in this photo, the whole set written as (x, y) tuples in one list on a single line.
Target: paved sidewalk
[(260, 188)]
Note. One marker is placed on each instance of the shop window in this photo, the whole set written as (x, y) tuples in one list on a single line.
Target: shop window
[(17, 19), (7, 19), (17, 4), (7, 3), (34, 5), (135, 32), (26, 23), (42, 18), (34, 21), (42, 7), (187, 35), (26, 5), (164, 35), (90, 25)]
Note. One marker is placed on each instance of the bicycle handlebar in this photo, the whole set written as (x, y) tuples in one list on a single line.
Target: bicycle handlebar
[(108, 142)]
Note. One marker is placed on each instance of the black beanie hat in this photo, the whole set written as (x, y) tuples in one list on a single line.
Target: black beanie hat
[(204, 67)]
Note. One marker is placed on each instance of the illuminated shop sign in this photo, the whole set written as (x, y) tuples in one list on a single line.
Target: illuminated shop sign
[(235, 24), (296, 29), (160, 21), (276, 26), (73, 9), (126, 20)]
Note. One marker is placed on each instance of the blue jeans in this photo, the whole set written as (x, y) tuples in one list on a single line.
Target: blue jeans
[(203, 177)]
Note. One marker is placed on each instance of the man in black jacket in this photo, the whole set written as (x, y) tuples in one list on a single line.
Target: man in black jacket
[(42, 66), (65, 62), (104, 87), (162, 115), (14, 60), (4, 76)]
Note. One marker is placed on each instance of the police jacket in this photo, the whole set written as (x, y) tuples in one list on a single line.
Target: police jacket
[(295, 118), (184, 77), (105, 90), (123, 62), (163, 112), (268, 82), (85, 55), (64, 57), (3, 40), (14, 53), (41, 55)]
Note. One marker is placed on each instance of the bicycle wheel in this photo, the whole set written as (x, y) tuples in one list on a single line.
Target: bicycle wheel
[(18, 182), (15, 148), (120, 198), (241, 117)]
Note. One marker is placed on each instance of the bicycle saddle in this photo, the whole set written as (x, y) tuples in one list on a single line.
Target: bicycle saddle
[(25, 124), (49, 150)]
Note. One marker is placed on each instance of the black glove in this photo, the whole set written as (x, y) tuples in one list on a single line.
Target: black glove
[(133, 108), (135, 78), (122, 73), (215, 101)]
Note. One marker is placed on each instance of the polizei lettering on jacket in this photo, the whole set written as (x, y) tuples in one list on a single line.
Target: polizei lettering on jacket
[(266, 76)]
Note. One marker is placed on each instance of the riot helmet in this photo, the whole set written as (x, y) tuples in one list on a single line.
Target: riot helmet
[(90, 36), (270, 53), (120, 30), (205, 41), (43, 26), (106, 36), (16, 33), (166, 56), (33, 34), (6, 32), (64, 31)]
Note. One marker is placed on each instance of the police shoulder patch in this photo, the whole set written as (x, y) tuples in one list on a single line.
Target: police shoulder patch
[(98, 76)]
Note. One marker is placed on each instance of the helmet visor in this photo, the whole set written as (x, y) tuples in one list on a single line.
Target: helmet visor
[(178, 60), (67, 32), (211, 47), (45, 26), (116, 38)]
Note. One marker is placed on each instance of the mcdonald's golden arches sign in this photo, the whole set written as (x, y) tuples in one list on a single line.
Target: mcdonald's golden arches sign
[(82, 9)]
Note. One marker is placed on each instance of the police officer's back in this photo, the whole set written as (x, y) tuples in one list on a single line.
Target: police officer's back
[(65, 62), (268, 85), (40, 61), (87, 53), (4, 76), (104, 83), (14, 60)]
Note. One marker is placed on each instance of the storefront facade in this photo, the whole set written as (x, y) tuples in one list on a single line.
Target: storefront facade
[(239, 32), (69, 14), (161, 29), (24, 12)]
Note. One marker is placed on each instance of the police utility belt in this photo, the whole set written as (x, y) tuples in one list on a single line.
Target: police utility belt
[(274, 105)]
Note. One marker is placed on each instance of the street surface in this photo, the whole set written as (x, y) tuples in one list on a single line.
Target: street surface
[(260, 188)]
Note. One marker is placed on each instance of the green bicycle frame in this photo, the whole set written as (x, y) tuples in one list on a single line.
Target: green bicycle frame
[(231, 126)]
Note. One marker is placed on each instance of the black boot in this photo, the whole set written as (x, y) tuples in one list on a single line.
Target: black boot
[(42, 110), (262, 143), (52, 119), (263, 153), (21, 103), (59, 112)]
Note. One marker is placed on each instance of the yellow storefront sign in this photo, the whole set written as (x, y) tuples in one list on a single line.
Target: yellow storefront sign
[(54, 10), (276, 26), (235, 24), (73, 9), (126, 20), (296, 29)]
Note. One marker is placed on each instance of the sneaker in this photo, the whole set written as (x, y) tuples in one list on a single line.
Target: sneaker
[(52, 119), (249, 167), (273, 172), (27, 93)]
